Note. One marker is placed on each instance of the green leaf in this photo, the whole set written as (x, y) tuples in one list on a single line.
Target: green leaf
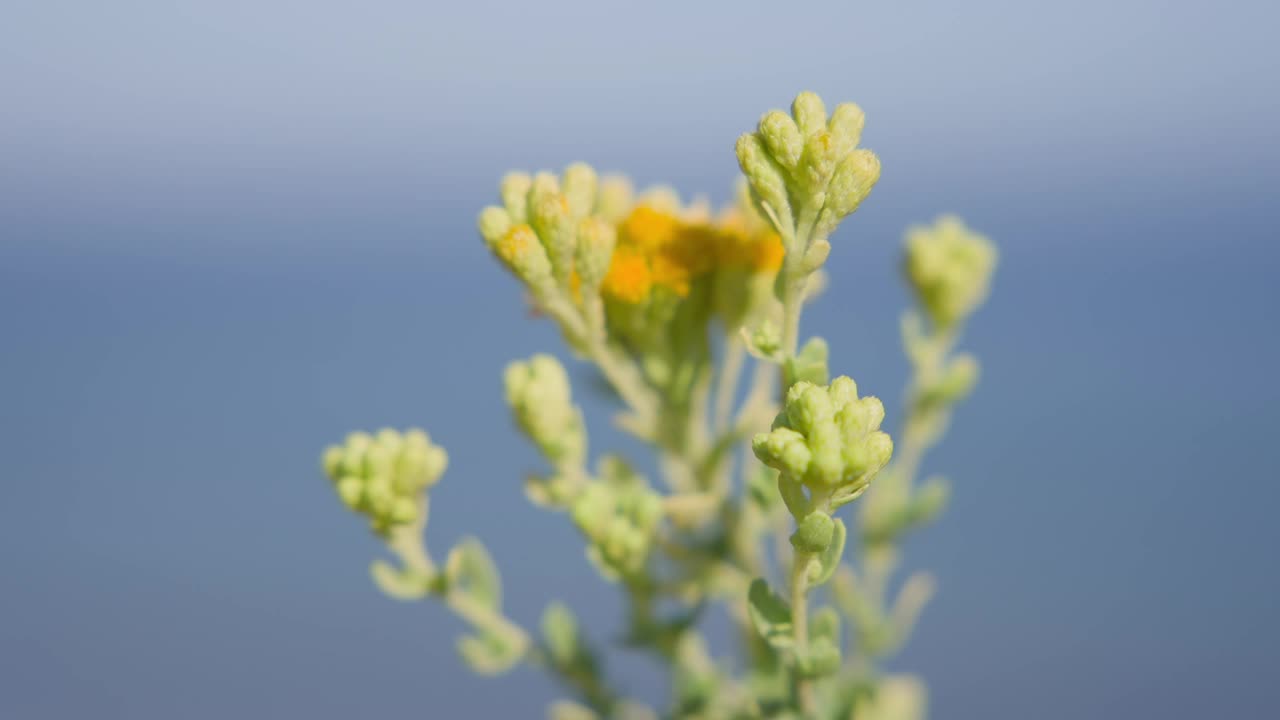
[(760, 486), (809, 365), (822, 657), (569, 710), (488, 653), (829, 559), (470, 570), (929, 501), (852, 598), (825, 623), (695, 682), (560, 633), (792, 493), (914, 340), (399, 584), (844, 497), (770, 614)]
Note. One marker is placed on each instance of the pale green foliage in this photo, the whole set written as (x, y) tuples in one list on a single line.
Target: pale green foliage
[(670, 304)]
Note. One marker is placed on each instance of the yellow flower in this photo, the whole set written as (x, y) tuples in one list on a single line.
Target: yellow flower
[(660, 248), (755, 248), (649, 229), (629, 278)]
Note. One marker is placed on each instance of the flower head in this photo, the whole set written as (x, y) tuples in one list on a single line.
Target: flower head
[(949, 267), (827, 438), (383, 476)]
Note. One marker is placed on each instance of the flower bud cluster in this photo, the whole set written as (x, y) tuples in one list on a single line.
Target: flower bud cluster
[(949, 268), (552, 232), (539, 395), (619, 519), (827, 438), (383, 476), (806, 171)]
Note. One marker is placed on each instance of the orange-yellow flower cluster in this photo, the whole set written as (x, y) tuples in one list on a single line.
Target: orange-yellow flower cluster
[(657, 248)]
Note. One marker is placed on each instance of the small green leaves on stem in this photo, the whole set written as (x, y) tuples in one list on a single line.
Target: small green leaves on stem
[(822, 656), (770, 615), (809, 365), (828, 559), (470, 570)]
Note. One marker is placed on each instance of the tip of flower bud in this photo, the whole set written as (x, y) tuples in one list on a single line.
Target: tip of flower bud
[(514, 190), (810, 113), (580, 185), (782, 137), (494, 222)]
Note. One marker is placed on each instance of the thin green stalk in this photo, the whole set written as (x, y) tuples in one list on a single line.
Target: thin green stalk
[(800, 624), (735, 355)]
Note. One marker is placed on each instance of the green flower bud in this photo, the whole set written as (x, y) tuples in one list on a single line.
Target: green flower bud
[(949, 267), (619, 522), (851, 183), (843, 391), (768, 185), (494, 223), (807, 406), (403, 510), (591, 509), (817, 163), (539, 396), (351, 491), (596, 241), (846, 127), (579, 185), (383, 476), (810, 113), (515, 196), (782, 138), (331, 461), (783, 449), (551, 219), (520, 250), (814, 533)]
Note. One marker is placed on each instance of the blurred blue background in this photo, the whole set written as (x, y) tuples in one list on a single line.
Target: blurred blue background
[(232, 231)]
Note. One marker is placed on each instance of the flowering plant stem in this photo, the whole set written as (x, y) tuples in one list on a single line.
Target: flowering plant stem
[(666, 301)]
